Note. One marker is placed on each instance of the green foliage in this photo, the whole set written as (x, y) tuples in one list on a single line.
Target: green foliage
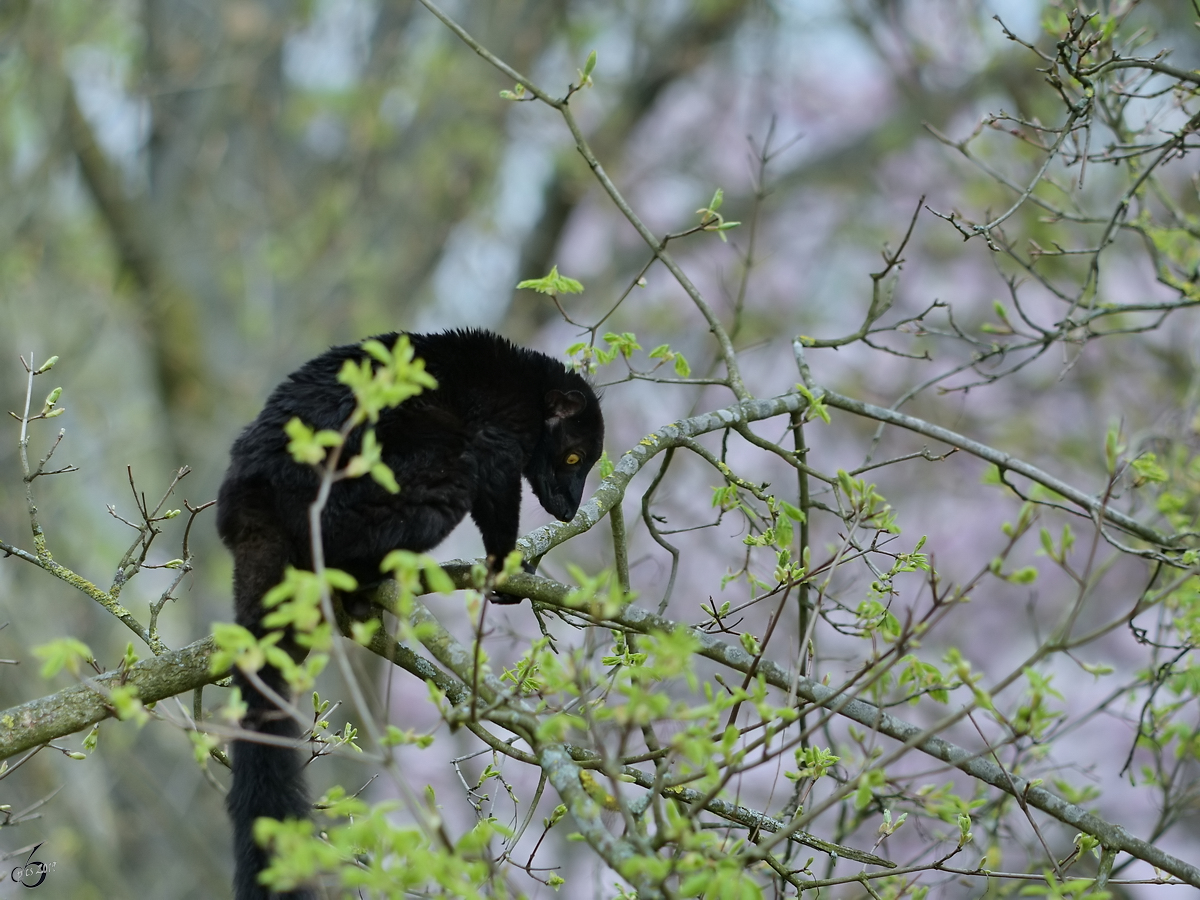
[(666, 354), (1005, 327), (921, 678), (812, 762), (711, 220), (729, 881), (124, 700), (727, 498), (1058, 552), (812, 555), (605, 465), (370, 462), (236, 646), (308, 446), (552, 284), (965, 675), (1034, 717), (1114, 446), (599, 595), (816, 408), (623, 344), (865, 505), (877, 621), (384, 378), (203, 746), (412, 571), (587, 357), (888, 827), (870, 782), (1066, 889), (1147, 469), (1023, 575), (1078, 796), (944, 803), (63, 653), (591, 356), (296, 601), (585, 74), (360, 849)]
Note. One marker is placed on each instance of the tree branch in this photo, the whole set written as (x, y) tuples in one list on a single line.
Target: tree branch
[(78, 707), (639, 620)]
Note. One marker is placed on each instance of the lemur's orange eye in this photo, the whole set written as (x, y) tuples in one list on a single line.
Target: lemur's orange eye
[(572, 459)]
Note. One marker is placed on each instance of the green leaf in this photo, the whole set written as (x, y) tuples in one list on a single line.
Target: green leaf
[(1146, 468), (305, 445), (1025, 575), (363, 632), (124, 700), (666, 354), (624, 343), (384, 477), (792, 512), (437, 579), (846, 483), (552, 284), (384, 378), (816, 405), (1113, 447), (230, 638), (606, 465), (340, 581), (63, 653), (377, 350), (964, 830)]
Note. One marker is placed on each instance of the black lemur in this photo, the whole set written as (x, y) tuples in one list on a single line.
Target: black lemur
[(499, 412)]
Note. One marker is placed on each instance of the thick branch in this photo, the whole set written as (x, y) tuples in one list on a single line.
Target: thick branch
[(612, 488), (38, 721), (540, 540)]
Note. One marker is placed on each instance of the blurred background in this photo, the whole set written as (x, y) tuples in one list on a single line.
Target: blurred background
[(197, 197)]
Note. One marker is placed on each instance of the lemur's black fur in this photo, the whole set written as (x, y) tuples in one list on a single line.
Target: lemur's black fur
[(499, 412)]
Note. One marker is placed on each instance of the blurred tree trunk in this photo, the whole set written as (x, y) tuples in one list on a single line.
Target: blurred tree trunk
[(166, 308), (666, 58)]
